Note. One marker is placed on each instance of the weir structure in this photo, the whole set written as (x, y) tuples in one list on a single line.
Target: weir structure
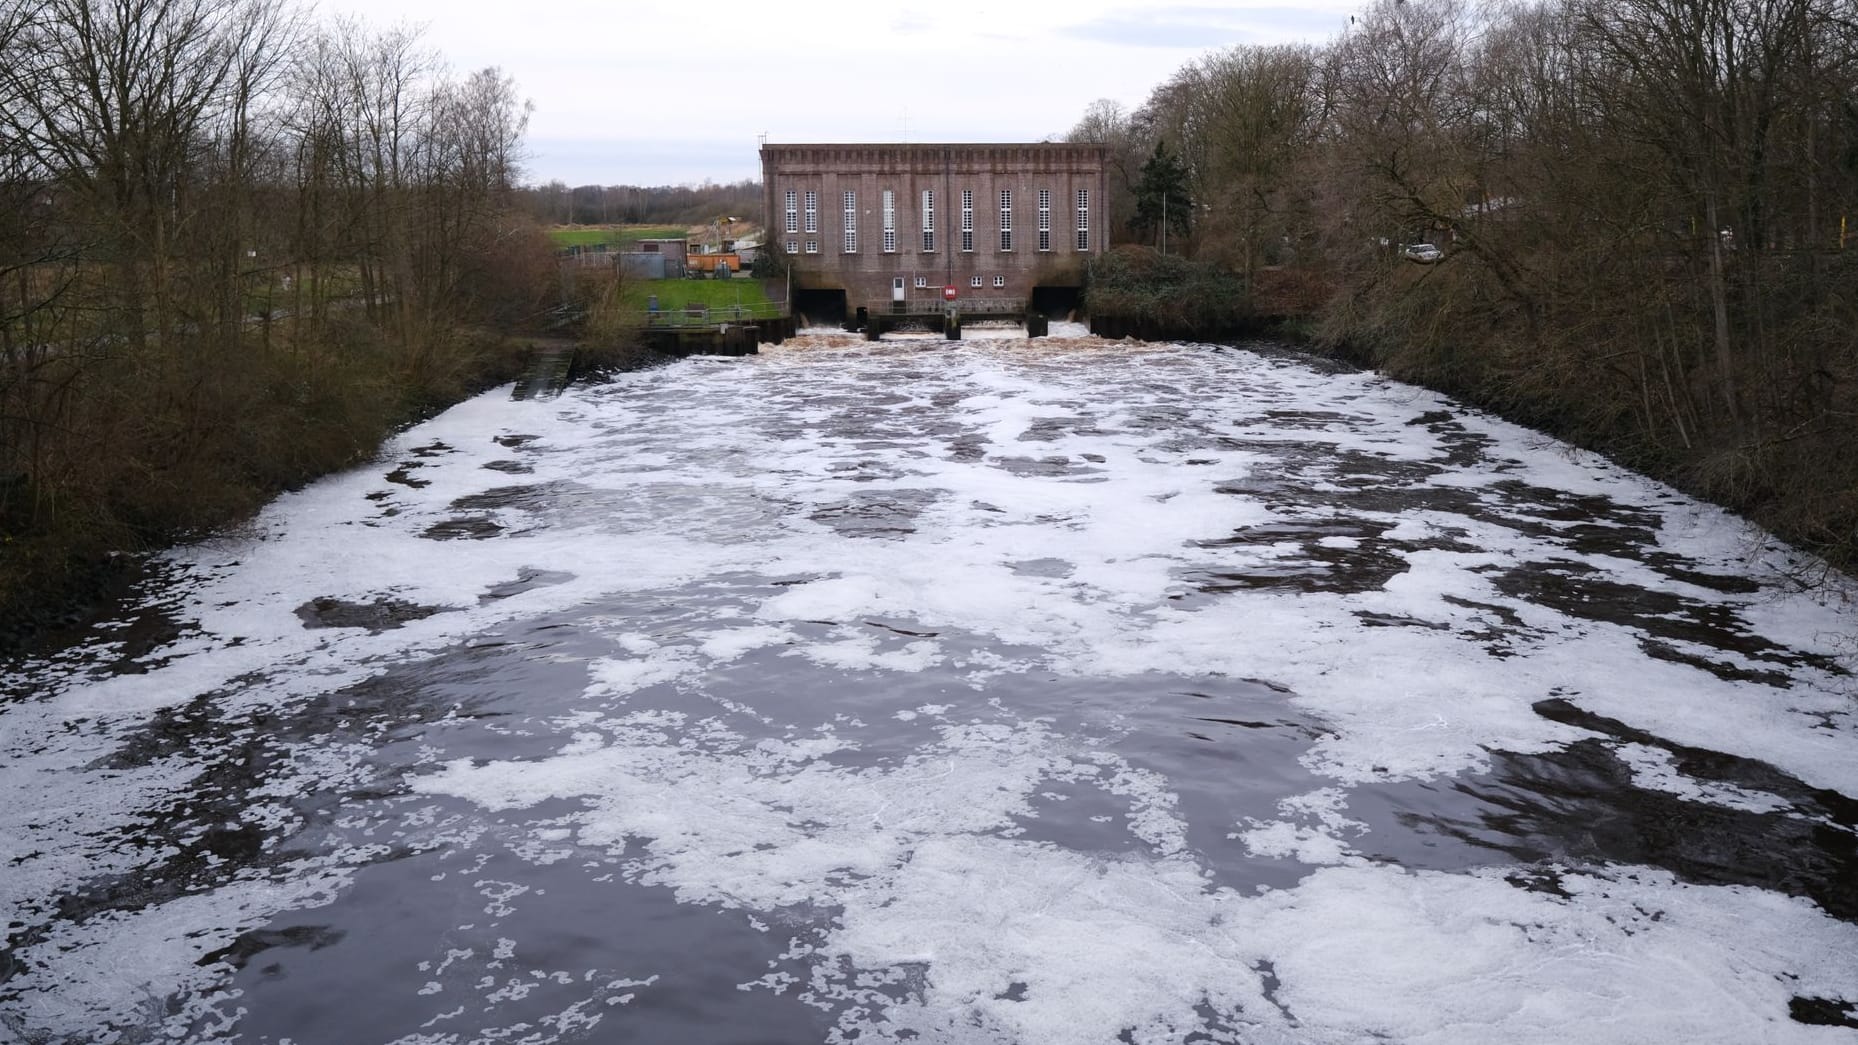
[(725, 331), (925, 235)]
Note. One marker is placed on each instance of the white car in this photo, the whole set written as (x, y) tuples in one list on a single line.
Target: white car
[(1424, 253)]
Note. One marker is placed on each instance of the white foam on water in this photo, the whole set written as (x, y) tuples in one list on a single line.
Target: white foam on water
[(1655, 769), (731, 643), (1130, 464), (1630, 956), (1312, 831), (121, 966), (1025, 941)]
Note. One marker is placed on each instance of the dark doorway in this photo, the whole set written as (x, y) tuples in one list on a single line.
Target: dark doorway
[(1057, 302), (819, 308)]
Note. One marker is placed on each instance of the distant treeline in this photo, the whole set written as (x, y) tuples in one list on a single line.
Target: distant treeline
[(1648, 212), (554, 203), (236, 249)]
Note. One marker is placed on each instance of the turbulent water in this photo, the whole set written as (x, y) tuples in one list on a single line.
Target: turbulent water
[(1003, 691)]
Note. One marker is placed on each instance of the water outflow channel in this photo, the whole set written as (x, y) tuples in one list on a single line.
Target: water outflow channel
[(1042, 692)]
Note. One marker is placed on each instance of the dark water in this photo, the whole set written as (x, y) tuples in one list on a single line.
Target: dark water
[(987, 693)]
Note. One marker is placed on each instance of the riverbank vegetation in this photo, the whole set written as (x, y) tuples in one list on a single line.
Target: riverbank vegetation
[(236, 250), (1647, 214), (1158, 297)]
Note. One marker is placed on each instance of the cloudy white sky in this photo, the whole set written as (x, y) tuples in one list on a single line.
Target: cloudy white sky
[(658, 92)]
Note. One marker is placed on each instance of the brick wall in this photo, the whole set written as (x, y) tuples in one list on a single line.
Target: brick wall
[(867, 274)]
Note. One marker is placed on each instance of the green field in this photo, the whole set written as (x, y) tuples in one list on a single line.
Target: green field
[(721, 299), (611, 235), (714, 293)]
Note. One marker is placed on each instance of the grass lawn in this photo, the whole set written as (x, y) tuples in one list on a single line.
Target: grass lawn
[(720, 296), (635, 233), (715, 293), (611, 235)]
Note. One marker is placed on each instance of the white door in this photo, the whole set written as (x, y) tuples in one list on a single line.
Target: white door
[(896, 289)]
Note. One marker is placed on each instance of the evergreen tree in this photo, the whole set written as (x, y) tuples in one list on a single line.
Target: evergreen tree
[(1162, 202)]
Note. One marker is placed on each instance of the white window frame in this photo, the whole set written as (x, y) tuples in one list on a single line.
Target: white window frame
[(812, 211), (793, 211), (812, 246), (793, 246), (922, 282), (851, 222), (928, 221), (1006, 221), (890, 221), (1083, 219), (1045, 220), (967, 221), (999, 281), (975, 281)]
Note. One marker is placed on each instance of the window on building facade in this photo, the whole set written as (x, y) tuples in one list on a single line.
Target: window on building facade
[(812, 246), (974, 281), (921, 282), (793, 247), (1045, 219), (890, 222), (812, 211), (967, 220), (1006, 219), (928, 221), (1083, 219), (999, 281), (851, 223), (793, 211)]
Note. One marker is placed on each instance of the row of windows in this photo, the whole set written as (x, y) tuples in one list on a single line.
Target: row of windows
[(890, 242), (793, 214), (973, 281)]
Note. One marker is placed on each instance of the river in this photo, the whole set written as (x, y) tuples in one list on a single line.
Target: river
[(1000, 691)]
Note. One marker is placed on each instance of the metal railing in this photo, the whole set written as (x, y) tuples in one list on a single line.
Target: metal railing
[(712, 315), (965, 306), (982, 306)]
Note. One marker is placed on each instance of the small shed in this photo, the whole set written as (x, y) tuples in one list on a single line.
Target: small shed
[(670, 257), (643, 265)]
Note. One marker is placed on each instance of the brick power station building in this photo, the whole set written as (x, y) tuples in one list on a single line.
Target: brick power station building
[(880, 225)]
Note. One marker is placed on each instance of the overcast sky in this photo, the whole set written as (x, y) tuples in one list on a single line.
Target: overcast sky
[(651, 92)]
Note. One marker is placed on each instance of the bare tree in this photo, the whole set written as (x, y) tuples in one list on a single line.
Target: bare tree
[(117, 98), (1255, 117), (171, 171)]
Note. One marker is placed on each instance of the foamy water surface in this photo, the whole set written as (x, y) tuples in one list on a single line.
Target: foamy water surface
[(995, 691)]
